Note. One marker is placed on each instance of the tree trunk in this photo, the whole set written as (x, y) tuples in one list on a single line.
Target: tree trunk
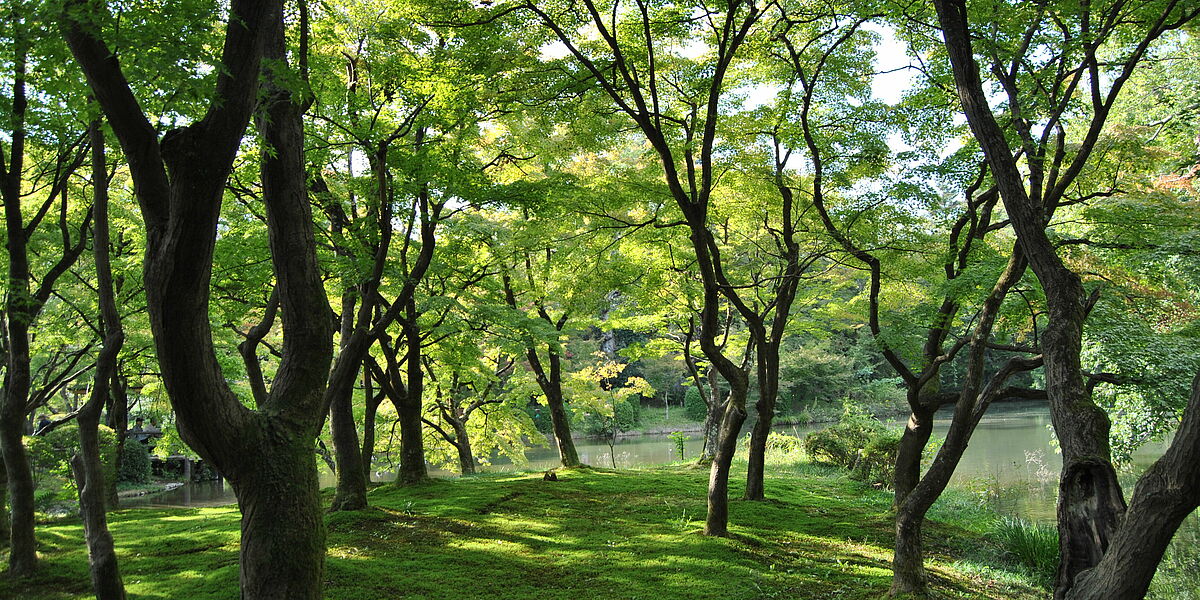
[(351, 491), (561, 426), (915, 495), (1091, 503), (4, 513), (22, 546), (912, 446), (462, 442), (717, 521), (180, 182), (86, 464), (408, 408), (712, 419), (118, 419), (283, 535), (768, 393), (368, 444), (1164, 496)]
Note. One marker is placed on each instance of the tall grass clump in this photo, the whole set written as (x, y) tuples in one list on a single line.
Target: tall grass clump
[(1032, 545)]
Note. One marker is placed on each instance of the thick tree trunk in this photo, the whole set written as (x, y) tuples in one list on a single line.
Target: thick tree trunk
[(412, 442), (908, 563), (1164, 496), (283, 535), (1091, 503), (4, 514), (717, 521), (560, 424), (180, 181)]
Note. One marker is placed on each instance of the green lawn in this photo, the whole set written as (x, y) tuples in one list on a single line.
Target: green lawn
[(595, 533)]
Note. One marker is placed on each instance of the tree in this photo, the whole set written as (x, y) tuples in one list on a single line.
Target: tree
[(89, 474), (180, 180), (51, 165), (1093, 519)]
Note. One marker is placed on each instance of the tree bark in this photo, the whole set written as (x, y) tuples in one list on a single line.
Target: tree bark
[(372, 409), (716, 521), (283, 532), (86, 464), (19, 310), (462, 443), (1165, 495), (408, 406), (266, 454), (919, 493), (1091, 502)]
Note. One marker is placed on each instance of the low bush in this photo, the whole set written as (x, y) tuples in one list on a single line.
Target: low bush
[(135, 463), (857, 443)]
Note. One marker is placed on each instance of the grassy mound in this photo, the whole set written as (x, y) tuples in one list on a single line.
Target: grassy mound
[(594, 534)]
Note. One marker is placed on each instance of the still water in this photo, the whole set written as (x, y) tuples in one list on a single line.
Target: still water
[(1011, 458)]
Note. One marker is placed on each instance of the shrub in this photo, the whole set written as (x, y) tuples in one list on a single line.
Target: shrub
[(629, 414), (842, 444), (1033, 545), (694, 406), (135, 463), (51, 453), (877, 461), (858, 443)]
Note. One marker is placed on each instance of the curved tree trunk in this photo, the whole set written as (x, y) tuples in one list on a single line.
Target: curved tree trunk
[(1164, 496), (351, 493), (180, 181), (912, 447), (717, 520), (86, 464), (1091, 503)]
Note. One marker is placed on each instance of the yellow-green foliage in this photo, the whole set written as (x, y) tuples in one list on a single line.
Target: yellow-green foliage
[(594, 534)]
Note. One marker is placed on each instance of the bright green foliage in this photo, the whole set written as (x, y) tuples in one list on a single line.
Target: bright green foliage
[(518, 537)]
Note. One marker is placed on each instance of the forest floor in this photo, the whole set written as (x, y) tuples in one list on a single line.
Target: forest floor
[(593, 534)]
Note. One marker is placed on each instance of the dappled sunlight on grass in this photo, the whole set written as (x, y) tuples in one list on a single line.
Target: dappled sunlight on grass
[(595, 533)]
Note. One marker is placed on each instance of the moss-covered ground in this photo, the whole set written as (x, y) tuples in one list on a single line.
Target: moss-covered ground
[(595, 533)]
